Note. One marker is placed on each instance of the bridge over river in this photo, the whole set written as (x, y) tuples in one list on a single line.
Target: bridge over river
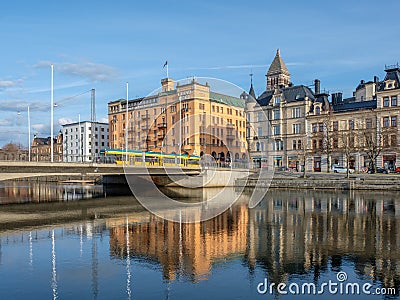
[(116, 174), (17, 170)]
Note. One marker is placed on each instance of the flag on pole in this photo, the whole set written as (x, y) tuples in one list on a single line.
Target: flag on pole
[(166, 65)]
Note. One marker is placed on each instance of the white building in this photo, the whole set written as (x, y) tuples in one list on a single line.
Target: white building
[(78, 140)]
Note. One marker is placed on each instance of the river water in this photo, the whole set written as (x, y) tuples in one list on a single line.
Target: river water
[(71, 242)]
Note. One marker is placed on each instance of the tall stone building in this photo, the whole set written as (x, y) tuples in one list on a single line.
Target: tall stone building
[(182, 118), (307, 129)]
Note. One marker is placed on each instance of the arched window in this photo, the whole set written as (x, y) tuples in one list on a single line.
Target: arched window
[(317, 110)]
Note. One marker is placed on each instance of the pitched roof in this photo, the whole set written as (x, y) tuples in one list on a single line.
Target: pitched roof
[(393, 74), (228, 100), (297, 93), (278, 66), (265, 98), (351, 106), (290, 94), (251, 92)]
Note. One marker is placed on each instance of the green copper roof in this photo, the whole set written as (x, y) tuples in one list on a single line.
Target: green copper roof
[(228, 100)]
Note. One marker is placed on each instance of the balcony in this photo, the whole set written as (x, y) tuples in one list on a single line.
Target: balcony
[(230, 125), (145, 117), (145, 127), (230, 137), (162, 125), (161, 135)]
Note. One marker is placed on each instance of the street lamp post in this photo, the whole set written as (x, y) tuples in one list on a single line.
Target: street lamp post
[(29, 135), (51, 115), (126, 125)]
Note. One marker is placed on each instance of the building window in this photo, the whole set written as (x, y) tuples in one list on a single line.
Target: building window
[(277, 129), (259, 131), (314, 144), (335, 143), (385, 101), (294, 144), (393, 140), (296, 112), (314, 127), (386, 122), (394, 121), (351, 124), (277, 100), (299, 146), (173, 108), (277, 114), (394, 101), (320, 144), (385, 140), (317, 110), (321, 127), (259, 116), (335, 125), (296, 128), (368, 123)]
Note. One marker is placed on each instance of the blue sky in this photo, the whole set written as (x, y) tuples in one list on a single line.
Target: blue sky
[(104, 44)]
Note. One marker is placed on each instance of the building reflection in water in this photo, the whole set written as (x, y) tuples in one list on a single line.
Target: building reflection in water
[(289, 232), (37, 192), (182, 249)]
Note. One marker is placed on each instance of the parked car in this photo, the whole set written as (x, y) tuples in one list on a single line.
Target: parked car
[(378, 170), (341, 169), (397, 170)]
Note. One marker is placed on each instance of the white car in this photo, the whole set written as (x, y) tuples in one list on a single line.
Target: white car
[(341, 169)]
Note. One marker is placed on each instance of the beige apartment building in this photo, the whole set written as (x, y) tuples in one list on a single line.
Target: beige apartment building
[(306, 129), (182, 118)]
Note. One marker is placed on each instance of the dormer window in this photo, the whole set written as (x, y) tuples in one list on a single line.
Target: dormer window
[(390, 84), (317, 110), (277, 100)]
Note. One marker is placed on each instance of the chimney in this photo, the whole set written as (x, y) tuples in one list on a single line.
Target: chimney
[(337, 98), (317, 86)]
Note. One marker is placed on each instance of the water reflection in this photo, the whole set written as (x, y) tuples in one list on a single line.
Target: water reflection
[(287, 233), (289, 236), (38, 192)]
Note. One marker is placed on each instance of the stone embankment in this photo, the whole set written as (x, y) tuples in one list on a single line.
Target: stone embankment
[(314, 181)]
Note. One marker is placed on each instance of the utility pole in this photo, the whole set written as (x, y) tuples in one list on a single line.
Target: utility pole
[(29, 135), (52, 114), (126, 125), (93, 123)]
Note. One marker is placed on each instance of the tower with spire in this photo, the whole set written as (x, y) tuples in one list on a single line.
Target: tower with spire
[(251, 91), (278, 75)]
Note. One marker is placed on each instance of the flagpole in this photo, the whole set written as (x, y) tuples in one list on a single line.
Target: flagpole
[(167, 69)]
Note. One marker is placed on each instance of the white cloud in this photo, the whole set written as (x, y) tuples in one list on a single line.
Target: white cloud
[(41, 128), (5, 122), (9, 83), (22, 105), (103, 120), (63, 121), (89, 70)]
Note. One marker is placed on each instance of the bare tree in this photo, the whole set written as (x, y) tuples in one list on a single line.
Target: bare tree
[(303, 153), (372, 137), (348, 138), (329, 134)]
